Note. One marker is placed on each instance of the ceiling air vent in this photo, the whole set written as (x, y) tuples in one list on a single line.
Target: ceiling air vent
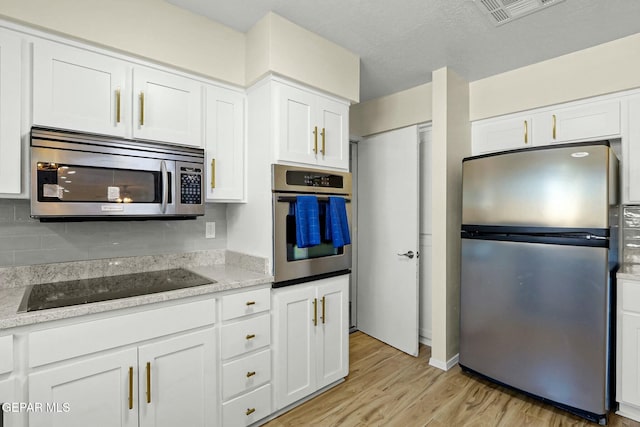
[(503, 11)]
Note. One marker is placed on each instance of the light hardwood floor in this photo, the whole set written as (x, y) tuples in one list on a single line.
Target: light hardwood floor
[(386, 387)]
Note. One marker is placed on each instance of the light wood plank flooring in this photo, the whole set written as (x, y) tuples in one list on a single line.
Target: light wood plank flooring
[(386, 387)]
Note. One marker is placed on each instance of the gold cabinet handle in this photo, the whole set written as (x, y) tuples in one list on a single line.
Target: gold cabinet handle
[(250, 411), (251, 303), (323, 313), (250, 374), (323, 142), (526, 132), (130, 387), (118, 105), (141, 108), (315, 312), (554, 126), (148, 382), (213, 173), (315, 139), (250, 336)]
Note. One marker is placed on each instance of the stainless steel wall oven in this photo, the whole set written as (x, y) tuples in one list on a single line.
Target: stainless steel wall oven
[(82, 176), (293, 264)]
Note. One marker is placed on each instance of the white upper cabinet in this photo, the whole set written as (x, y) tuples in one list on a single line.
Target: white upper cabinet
[(580, 123), (10, 107), (166, 107), (577, 122), (77, 89), (501, 134), (224, 144), (313, 129)]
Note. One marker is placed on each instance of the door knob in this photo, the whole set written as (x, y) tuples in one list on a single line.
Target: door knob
[(407, 254)]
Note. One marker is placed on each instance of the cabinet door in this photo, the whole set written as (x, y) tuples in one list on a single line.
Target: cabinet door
[(630, 369), (631, 153), (333, 341), (80, 90), (333, 145), (294, 351), (501, 134), (97, 391), (8, 395), (177, 381), (299, 135), (224, 144), (584, 122), (10, 107), (166, 107)]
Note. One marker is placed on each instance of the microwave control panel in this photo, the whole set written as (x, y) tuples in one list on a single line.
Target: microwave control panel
[(190, 186)]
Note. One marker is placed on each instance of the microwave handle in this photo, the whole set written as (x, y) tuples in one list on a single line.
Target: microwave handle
[(165, 187)]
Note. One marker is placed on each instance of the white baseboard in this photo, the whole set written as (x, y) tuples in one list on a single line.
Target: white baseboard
[(445, 366), (629, 411), (424, 340)]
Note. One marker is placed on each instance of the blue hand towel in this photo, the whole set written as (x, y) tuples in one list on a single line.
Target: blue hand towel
[(337, 224), (307, 221)]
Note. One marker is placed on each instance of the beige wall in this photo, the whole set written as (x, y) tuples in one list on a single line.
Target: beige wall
[(153, 29), (304, 56), (606, 68), (405, 108), (451, 143)]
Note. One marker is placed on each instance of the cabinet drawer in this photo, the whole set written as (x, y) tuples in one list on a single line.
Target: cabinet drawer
[(247, 335), (630, 297), (247, 409), (243, 374), (6, 354), (246, 303), (65, 342)]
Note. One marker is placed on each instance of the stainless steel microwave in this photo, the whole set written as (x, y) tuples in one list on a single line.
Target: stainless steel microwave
[(83, 176)]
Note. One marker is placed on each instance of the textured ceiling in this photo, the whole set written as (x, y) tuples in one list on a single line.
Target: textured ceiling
[(401, 41)]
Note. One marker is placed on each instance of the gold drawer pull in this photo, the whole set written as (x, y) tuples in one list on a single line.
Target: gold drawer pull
[(250, 411), (118, 105), (148, 382), (213, 173), (141, 98), (250, 374), (130, 387), (251, 303), (251, 336)]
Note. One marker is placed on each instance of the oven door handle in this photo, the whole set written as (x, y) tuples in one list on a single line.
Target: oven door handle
[(292, 199), (165, 186)]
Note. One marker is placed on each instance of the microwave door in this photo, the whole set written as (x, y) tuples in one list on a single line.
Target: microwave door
[(72, 183)]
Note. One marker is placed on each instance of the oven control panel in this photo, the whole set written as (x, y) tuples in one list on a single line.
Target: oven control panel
[(314, 179)]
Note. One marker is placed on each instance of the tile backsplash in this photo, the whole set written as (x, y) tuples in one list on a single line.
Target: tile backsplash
[(25, 241), (631, 234)]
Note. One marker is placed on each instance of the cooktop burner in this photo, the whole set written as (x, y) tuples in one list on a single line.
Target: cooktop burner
[(74, 292)]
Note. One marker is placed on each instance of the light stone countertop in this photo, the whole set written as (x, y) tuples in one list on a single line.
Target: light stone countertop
[(227, 277), (629, 271)]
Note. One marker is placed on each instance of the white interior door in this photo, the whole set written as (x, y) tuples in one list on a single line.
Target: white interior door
[(388, 227)]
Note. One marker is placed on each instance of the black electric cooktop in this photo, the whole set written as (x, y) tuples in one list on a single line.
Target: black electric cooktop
[(74, 292)]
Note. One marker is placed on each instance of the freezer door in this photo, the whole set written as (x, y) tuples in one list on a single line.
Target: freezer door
[(562, 186), (536, 317)]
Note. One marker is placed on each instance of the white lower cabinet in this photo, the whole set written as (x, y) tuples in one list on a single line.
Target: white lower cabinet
[(152, 368), (176, 381), (311, 339), (245, 349), (8, 391), (628, 349), (100, 388)]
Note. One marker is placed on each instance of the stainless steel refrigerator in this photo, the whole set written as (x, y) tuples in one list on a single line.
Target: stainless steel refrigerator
[(539, 255)]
